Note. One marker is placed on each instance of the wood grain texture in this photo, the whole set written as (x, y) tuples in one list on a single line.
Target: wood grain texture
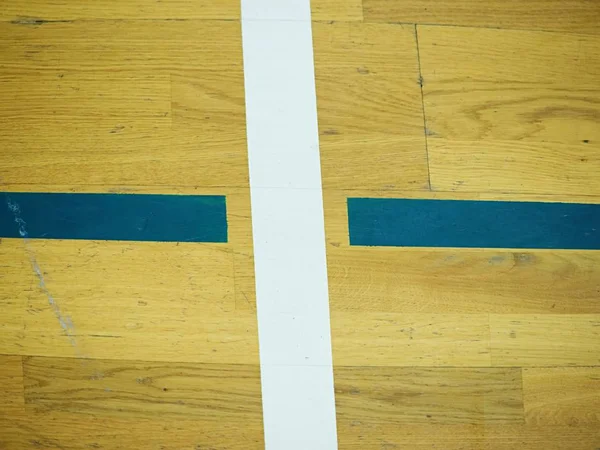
[(28, 12), (567, 396), (104, 102), (393, 339), (443, 299), (369, 104), (215, 392), (12, 398), (123, 103), (239, 223), (124, 46), (578, 16), (511, 111), (51, 430), (357, 434), (545, 340), (342, 10), (175, 301), (463, 281), (194, 321), (509, 436), (455, 281), (428, 395)]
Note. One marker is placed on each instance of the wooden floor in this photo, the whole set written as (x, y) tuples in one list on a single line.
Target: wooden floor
[(432, 348)]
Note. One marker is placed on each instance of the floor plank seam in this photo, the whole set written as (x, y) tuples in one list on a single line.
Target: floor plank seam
[(425, 130), (482, 27)]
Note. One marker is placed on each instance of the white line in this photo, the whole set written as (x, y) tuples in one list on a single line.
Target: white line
[(288, 226)]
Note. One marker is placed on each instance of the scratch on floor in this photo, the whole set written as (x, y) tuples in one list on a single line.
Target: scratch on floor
[(65, 321)]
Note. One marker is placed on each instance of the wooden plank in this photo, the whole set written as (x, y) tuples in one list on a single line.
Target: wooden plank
[(229, 394), (359, 435), (377, 435), (87, 100), (12, 396), (578, 16), (125, 162), (428, 395), (121, 46), (210, 102), (175, 302), (93, 103), (240, 232), (344, 10), (509, 436), (462, 281), (28, 12), (374, 408), (390, 339), (545, 340), (239, 238), (565, 396), (369, 102), (515, 167), (511, 111), (96, 125), (52, 429)]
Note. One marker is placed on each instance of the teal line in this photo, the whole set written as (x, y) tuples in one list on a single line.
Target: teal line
[(120, 217), (399, 222)]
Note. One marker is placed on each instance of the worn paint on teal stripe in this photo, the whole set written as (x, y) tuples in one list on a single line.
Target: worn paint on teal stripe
[(473, 224), (114, 217)]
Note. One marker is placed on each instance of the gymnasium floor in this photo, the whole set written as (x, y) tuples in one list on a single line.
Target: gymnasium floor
[(153, 343)]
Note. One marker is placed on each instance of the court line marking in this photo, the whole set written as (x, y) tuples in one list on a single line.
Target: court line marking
[(403, 222), (288, 226), (118, 217)]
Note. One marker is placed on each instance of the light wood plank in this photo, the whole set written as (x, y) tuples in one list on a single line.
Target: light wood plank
[(162, 47), (545, 340), (214, 392), (359, 435), (428, 395), (515, 167), (210, 102), (369, 102), (174, 301), (87, 100), (12, 396), (93, 103), (511, 111), (51, 430), (372, 322), (240, 236), (462, 281), (391, 339), (344, 10), (578, 16), (379, 435), (239, 223), (562, 396), (27, 12), (509, 437)]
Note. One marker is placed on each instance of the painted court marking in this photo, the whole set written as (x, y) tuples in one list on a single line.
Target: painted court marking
[(473, 224), (120, 217), (288, 226)]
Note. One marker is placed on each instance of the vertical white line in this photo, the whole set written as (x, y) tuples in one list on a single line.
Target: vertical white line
[(288, 226)]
